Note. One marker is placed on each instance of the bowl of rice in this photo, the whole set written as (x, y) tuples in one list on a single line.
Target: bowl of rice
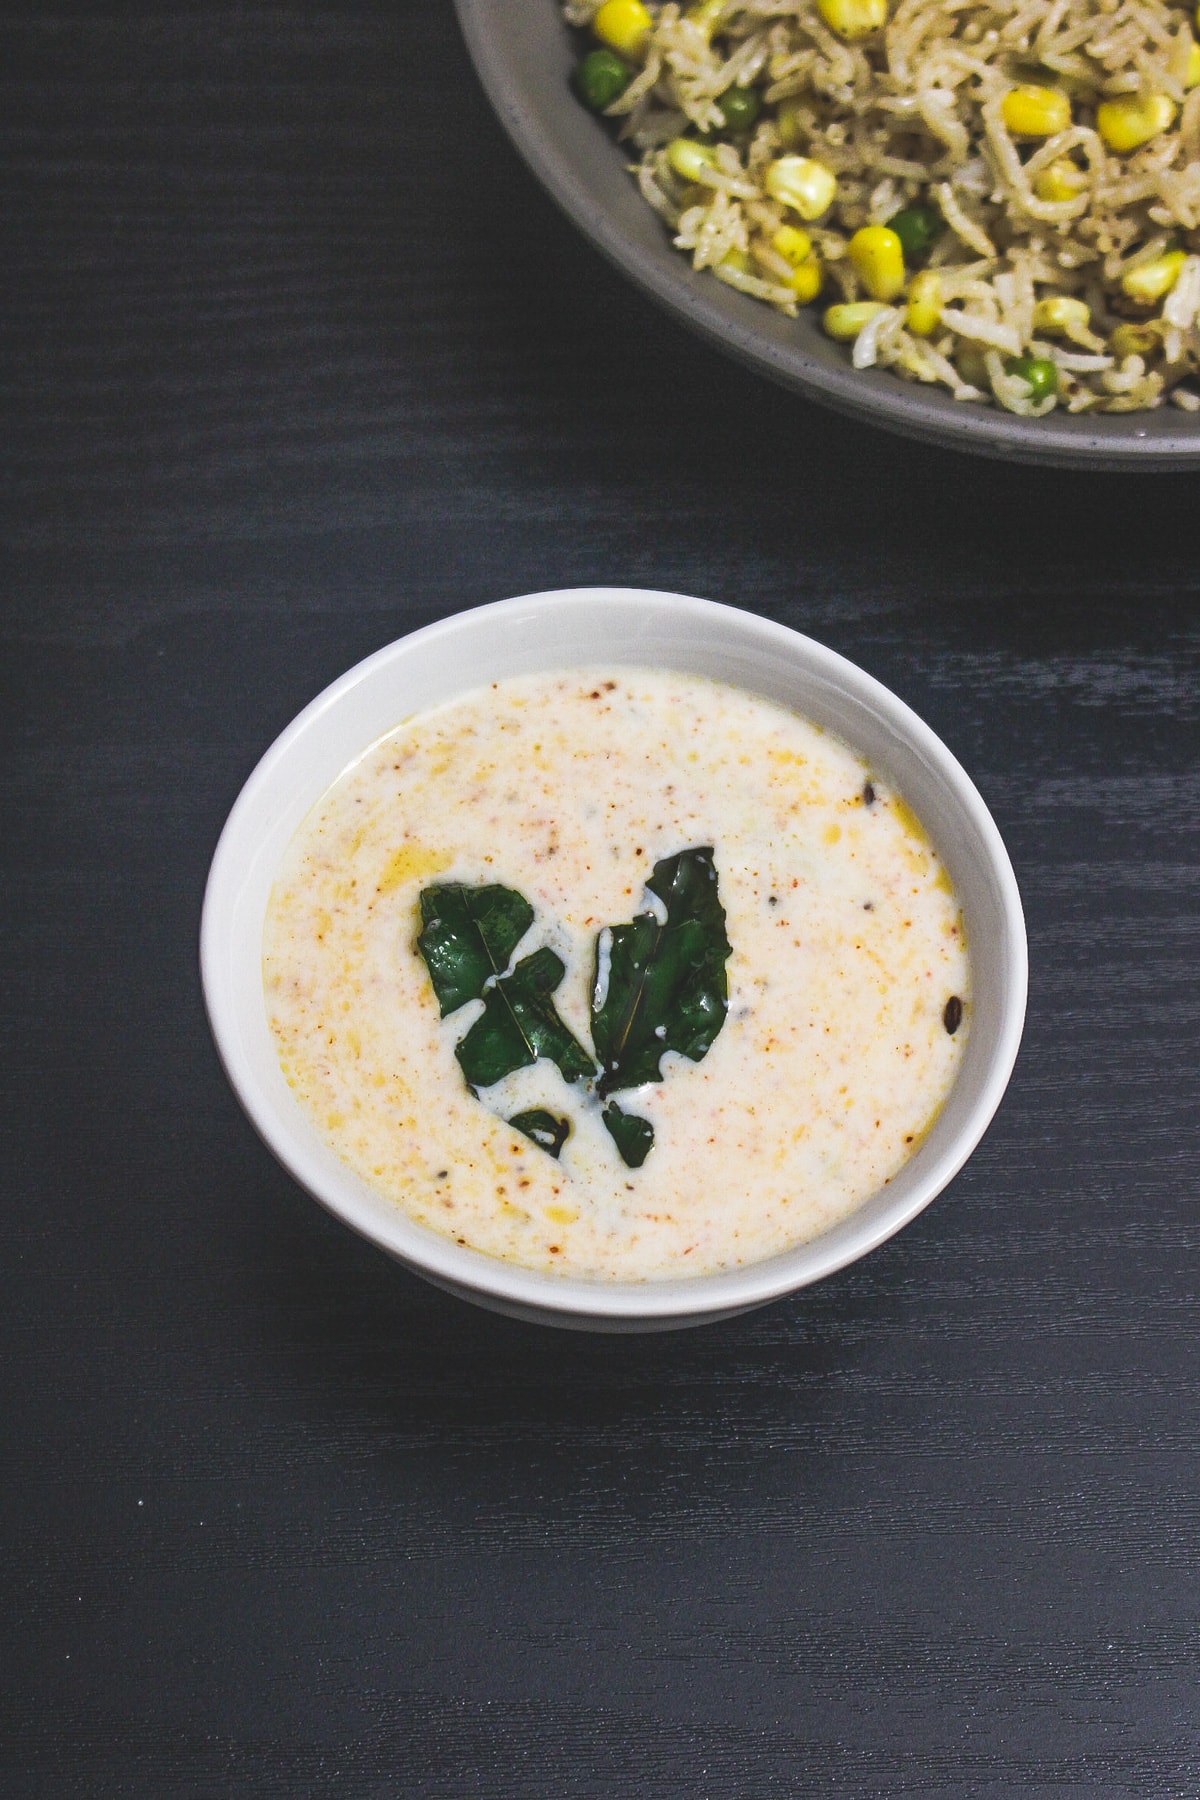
[(972, 221)]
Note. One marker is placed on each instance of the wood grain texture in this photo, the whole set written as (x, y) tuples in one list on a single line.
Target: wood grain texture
[(296, 357)]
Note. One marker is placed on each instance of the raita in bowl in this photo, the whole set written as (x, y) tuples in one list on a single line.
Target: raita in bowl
[(623, 990)]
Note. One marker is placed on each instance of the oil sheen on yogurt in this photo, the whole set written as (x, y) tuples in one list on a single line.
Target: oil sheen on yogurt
[(848, 965)]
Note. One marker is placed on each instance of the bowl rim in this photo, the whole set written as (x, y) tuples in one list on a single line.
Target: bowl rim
[(278, 1118), (732, 321)]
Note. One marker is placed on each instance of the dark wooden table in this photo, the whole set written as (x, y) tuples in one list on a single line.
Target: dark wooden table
[(296, 357)]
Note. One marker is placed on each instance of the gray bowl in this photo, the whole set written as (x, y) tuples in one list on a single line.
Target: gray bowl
[(524, 54)]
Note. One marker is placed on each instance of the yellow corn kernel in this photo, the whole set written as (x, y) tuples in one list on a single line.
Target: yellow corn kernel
[(1153, 280), (1058, 313), (1035, 112), (794, 245), (924, 304), (1133, 119), (806, 186), (1134, 340), (1063, 180), (877, 258), (623, 25), (687, 157), (736, 259), (846, 321), (808, 271), (853, 19), (808, 279), (1192, 77)]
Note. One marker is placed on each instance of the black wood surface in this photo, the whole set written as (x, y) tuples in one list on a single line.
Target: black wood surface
[(295, 358)]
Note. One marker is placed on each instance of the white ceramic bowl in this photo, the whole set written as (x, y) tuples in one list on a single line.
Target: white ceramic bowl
[(577, 627)]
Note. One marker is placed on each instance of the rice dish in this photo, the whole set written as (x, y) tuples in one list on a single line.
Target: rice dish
[(998, 196)]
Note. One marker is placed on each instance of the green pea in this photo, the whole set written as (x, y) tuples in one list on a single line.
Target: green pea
[(601, 78), (740, 107), (918, 228), (1039, 372)]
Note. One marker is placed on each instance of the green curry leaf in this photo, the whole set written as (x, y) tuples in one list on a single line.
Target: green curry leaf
[(519, 1023), (468, 936), (545, 1129), (660, 982), (633, 1137)]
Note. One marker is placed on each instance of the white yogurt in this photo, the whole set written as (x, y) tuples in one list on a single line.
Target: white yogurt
[(847, 943)]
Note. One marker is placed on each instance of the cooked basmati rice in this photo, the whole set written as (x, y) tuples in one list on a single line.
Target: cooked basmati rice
[(914, 115)]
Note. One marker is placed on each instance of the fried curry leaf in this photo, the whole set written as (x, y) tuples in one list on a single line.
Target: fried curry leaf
[(519, 1023), (660, 981), (659, 984), (633, 1137), (468, 936), (546, 1129)]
